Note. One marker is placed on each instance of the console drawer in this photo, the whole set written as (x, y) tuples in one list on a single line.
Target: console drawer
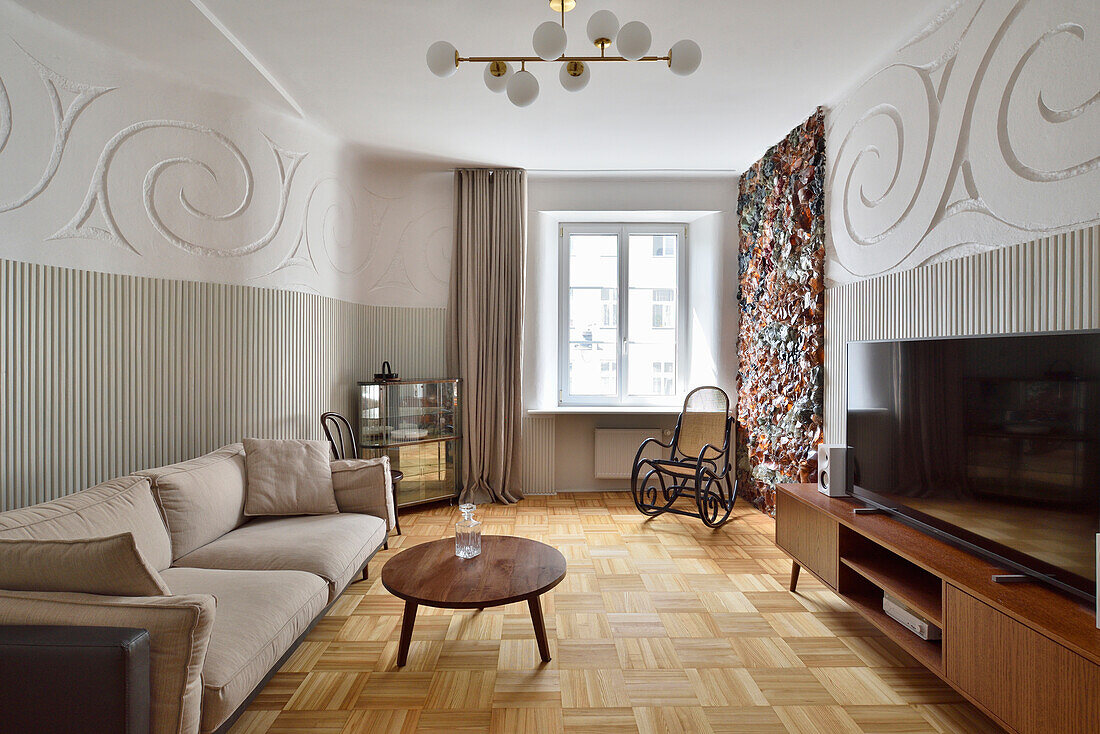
[(1031, 682), (809, 536)]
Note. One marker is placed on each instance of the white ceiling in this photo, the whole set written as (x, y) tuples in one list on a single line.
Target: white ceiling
[(356, 68)]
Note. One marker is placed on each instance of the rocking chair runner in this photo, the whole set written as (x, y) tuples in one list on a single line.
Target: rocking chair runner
[(698, 464)]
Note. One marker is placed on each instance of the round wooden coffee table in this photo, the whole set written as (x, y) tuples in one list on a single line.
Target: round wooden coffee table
[(508, 570)]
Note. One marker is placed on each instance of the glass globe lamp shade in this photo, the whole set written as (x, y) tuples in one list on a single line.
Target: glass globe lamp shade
[(523, 88), (556, 5), (497, 74), (574, 75), (549, 41), (634, 40), (442, 58), (602, 26), (684, 57)]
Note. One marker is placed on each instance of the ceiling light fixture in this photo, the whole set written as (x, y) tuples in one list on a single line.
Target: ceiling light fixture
[(632, 41)]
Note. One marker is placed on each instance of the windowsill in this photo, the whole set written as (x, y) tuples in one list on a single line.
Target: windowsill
[(607, 410)]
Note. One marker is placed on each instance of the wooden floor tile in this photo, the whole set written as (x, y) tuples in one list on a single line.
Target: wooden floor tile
[(857, 687), (321, 691), (539, 687), (817, 720), (889, 720), (382, 721), (454, 722), (593, 688), (647, 653), (791, 687), (745, 720), (599, 721), (672, 720), (461, 690), (726, 687), (526, 721), (660, 688), (587, 654)]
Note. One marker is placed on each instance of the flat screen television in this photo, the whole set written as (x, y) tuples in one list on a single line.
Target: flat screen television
[(991, 443)]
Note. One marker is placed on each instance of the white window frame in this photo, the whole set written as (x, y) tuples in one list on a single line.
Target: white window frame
[(623, 230)]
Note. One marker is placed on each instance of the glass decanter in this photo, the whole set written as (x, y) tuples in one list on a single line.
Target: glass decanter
[(467, 533)]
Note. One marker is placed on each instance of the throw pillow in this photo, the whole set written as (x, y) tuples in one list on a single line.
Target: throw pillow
[(288, 477), (111, 565)]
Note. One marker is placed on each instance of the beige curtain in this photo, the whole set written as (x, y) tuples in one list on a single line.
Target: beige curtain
[(485, 328)]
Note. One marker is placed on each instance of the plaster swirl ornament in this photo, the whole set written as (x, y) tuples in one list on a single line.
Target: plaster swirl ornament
[(64, 118), (979, 133), (98, 195), (632, 41)]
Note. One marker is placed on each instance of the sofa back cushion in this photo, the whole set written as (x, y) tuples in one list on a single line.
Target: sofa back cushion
[(201, 499), (111, 565), (288, 477), (123, 505)]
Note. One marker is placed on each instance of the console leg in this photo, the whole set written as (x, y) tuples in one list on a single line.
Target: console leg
[(795, 568), (407, 622)]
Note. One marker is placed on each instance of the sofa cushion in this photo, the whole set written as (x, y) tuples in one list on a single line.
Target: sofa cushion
[(123, 505), (259, 615), (111, 565), (201, 499), (288, 477), (333, 547)]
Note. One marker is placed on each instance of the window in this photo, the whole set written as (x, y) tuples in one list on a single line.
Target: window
[(621, 316)]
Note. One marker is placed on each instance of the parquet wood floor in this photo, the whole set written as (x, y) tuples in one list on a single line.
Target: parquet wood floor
[(660, 626)]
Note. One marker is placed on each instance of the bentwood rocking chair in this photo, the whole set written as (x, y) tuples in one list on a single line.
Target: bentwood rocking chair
[(698, 466)]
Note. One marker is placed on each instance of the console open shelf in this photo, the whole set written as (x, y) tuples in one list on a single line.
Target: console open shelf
[(868, 602), (901, 579)]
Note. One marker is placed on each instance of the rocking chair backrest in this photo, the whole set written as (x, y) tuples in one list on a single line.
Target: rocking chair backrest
[(703, 421)]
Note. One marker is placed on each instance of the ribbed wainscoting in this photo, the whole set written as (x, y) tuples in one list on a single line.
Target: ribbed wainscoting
[(538, 454), (104, 374), (1050, 284)]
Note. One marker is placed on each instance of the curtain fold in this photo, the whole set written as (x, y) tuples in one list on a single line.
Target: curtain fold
[(485, 328)]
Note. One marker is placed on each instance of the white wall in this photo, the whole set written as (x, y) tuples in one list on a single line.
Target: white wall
[(981, 131), (137, 174), (709, 204)]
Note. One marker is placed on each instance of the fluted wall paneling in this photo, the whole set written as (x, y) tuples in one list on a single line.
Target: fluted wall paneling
[(1049, 284), (104, 374)]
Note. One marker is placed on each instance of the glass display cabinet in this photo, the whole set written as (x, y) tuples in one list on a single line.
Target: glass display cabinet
[(416, 424)]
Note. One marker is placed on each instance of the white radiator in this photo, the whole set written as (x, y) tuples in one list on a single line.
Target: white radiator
[(616, 447)]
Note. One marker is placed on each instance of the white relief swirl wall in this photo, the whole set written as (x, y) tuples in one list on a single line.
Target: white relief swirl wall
[(106, 168), (981, 131)]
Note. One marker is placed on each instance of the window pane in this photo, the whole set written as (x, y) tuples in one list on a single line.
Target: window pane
[(651, 370), (594, 260), (652, 315), (652, 281), (592, 369)]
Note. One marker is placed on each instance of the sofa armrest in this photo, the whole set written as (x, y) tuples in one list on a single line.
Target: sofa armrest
[(365, 486), (74, 679), (179, 633)]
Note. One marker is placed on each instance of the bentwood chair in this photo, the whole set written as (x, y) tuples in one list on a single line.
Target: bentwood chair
[(341, 437), (699, 466)]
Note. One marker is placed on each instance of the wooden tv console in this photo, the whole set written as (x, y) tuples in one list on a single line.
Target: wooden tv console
[(1026, 655)]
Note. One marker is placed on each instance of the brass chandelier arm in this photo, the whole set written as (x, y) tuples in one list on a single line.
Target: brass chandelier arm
[(538, 59)]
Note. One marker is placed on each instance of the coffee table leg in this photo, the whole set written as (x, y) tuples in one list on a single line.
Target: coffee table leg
[(540, 628), (407, 622)]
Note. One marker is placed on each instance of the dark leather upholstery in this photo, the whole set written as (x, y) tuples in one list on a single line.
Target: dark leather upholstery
[(74, 679)]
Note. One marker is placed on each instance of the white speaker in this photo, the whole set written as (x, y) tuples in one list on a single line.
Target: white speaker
[(835, 464)]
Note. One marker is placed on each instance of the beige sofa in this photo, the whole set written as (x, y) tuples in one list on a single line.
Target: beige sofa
[(244, 590)]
